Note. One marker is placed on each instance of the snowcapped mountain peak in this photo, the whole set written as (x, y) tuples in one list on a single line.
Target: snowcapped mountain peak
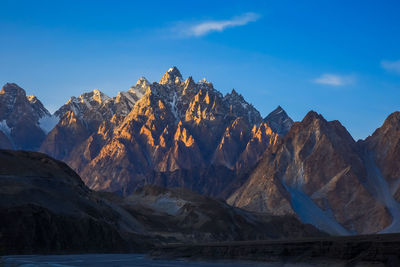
[(173, 75)]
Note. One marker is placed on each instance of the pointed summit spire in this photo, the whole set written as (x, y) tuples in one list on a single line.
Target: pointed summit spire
[(279, 121), (171, 76)]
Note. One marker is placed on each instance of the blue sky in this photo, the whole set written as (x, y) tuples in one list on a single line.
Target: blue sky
[(340, 58)]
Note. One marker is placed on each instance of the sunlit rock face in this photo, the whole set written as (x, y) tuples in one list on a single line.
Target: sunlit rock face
[(318, 172), (173, 133), (87, 122), (22, 119)]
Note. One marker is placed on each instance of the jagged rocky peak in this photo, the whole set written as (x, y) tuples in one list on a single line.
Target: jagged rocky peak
[(240, 107), (10, 94), (172, 76), (12, 88), (310, 116), (38, 106), (189, 82), (94, 96), (83, 104), (234, 93), (189, 86), (203, 83), (142, 82), (21, 116), (315, 124), (99, 96), (13, 97), (234, 96), (138, 90), (141, 116), (279, 121)]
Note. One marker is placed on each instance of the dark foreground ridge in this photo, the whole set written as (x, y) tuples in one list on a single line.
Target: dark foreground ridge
[(382, 248), (45, 208)]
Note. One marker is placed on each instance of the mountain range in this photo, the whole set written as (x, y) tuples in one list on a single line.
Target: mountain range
[(186, 134)]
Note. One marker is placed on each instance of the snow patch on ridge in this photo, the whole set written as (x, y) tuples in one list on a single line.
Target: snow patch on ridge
[(173, 107)]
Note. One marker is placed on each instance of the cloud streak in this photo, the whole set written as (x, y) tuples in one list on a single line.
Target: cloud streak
[(391, 66), (206, 27), (334, 79)]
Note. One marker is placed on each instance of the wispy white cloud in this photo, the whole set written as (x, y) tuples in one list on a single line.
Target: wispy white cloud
[(392, 66), (206, 27), (334, 79)]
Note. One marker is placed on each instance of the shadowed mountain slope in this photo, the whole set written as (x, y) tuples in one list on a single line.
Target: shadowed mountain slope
[(320, 173)]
